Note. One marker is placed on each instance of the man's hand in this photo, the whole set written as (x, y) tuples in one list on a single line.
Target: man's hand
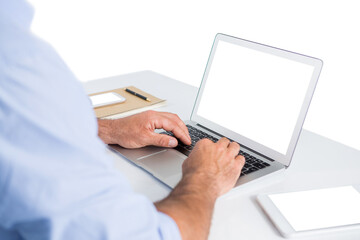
[(216, 164), (138, 130), (211, 170)]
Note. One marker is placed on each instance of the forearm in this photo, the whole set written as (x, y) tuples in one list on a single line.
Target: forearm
[(191, 205)]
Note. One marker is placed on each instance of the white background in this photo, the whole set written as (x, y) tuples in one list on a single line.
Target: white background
[(99, 38)]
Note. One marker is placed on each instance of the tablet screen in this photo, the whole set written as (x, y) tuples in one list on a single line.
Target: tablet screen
[(324, 208)]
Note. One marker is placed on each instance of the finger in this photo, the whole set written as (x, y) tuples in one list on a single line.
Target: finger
[(224, 142), (175, 118), (204, 141), (234, 148), (239, 164), (172, 126), (241, 159), (162, 140)]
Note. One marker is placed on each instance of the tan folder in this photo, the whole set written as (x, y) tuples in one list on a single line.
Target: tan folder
[(131, 105)]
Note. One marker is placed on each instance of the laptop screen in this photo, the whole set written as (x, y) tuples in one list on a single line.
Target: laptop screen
[(255, 94)]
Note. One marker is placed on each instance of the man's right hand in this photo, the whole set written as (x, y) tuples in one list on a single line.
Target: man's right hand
[(211, 170), (217, 165)]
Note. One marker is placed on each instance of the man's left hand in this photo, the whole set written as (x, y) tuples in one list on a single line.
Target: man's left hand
[(138, 130)]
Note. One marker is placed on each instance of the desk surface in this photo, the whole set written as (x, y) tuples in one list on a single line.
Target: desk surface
[(317, 163)]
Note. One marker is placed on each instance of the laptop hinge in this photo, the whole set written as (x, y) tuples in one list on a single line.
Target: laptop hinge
[(243, 146)]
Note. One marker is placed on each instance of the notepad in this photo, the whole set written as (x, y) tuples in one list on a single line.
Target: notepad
[(132, 104)]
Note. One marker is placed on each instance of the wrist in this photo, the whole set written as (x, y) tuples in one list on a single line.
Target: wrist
[(190, 205), (201, 183), (106, 131)]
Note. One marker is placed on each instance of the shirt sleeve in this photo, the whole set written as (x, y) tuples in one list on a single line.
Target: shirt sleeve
[(79, 202)]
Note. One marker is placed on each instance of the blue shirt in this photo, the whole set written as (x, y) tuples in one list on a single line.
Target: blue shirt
[(56, 180)]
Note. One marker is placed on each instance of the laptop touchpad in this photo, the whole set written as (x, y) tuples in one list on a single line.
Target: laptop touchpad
[(135, 154), (164, 163)]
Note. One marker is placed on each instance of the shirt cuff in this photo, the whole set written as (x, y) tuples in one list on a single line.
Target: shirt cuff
[(168, 227)]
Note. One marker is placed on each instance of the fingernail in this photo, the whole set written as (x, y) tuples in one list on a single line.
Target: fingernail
[(172, 143)]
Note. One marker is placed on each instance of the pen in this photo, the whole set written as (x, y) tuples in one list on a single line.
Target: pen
[(137, 94)]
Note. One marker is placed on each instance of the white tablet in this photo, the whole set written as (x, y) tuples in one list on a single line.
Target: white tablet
[(309, 213)]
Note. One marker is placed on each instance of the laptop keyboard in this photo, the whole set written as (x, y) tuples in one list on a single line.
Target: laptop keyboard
[(252, 163)]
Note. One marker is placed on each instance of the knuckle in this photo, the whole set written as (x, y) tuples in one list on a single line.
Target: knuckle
[(163, 141), (178, 121), (150, 113), (202, 143), (147, 114), (225, 139), (220, 148), (236, 146), (205, 141), (168, 124), (176, 117), (172, 114)]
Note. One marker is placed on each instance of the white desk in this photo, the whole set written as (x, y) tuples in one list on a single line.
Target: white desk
[(317, 163)]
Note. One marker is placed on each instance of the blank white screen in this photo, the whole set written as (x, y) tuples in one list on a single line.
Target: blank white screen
[(322, 208), (255, 94)]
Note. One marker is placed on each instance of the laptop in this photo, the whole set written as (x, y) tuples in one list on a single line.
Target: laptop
[(251, 93)]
